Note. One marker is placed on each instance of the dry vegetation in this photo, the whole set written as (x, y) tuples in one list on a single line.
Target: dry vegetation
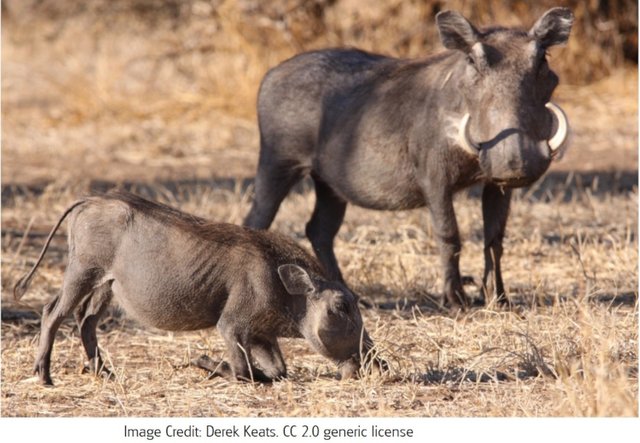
[(569, 348), (165, 89), (161, 93)]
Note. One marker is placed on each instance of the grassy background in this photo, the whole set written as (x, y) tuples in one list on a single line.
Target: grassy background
[(166, 89), (161, 95)]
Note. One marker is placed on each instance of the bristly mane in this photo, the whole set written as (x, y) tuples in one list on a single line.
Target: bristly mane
[(278, 246), (155, 209)]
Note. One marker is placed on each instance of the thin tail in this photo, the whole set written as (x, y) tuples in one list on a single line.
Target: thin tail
[(23, 284)]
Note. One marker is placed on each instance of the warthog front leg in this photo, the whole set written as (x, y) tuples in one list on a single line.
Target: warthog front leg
[(268, 355), (323, 226), (238, 343), (445, 226), (216, 368), (495, 211)]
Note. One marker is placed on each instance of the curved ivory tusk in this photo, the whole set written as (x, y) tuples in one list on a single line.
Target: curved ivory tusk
[(464, 139), (563, 127)]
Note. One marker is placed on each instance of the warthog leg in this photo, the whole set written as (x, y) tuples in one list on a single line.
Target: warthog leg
[(268, 355), (87, 316), (495, 211), (273, 183), (216, 368), (323, 226), (445, 226), (48, 326), (238, 344), (77, 283)]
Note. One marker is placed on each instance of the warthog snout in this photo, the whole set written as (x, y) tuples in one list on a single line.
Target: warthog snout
[(332, 324)]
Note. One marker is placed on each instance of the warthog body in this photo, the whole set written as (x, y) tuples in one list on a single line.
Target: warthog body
[(177, 272), (392, 134)]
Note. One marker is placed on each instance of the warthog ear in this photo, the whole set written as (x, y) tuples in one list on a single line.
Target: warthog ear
[(455, 31), (295, 280), (553, 28)]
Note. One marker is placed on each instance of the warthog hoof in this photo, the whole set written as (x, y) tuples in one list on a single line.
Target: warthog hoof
[(215, 368), (98, 370)]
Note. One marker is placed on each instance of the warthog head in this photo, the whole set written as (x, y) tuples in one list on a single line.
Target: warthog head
[(332, 322), (508, 119)]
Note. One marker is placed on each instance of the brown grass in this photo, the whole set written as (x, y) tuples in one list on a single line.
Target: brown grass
[(568, 349), (150, 90), (164, 92)]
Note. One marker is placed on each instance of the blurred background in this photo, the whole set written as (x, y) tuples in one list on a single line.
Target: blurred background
[(163, 89)]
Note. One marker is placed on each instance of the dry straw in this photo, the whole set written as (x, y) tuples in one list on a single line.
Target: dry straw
[(162, 93), (569, 348)]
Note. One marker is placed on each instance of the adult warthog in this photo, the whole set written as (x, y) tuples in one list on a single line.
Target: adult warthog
[(392, 134), (177, 272)]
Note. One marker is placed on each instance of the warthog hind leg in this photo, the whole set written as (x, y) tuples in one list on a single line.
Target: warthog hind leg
[(87, 316), (76, 285), (273, 183)]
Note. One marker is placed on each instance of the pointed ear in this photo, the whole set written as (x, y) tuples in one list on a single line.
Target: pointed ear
[(295, 279), (455, 31), (553, 28)]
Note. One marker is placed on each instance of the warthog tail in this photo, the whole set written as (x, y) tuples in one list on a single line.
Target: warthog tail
[(23, 284)]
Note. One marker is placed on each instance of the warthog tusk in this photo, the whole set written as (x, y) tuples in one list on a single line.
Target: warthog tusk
[(563, 127), (555, 142), (464, 139)]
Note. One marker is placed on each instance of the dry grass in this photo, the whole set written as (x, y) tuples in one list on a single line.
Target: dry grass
[(569, 348), (129, 91), (165, 89)]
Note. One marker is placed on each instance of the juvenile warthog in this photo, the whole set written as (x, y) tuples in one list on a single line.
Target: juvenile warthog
[(178, 272), (385, 133)]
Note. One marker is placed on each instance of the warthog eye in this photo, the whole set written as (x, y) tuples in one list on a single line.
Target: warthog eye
[(341, 307), (471, 61)]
